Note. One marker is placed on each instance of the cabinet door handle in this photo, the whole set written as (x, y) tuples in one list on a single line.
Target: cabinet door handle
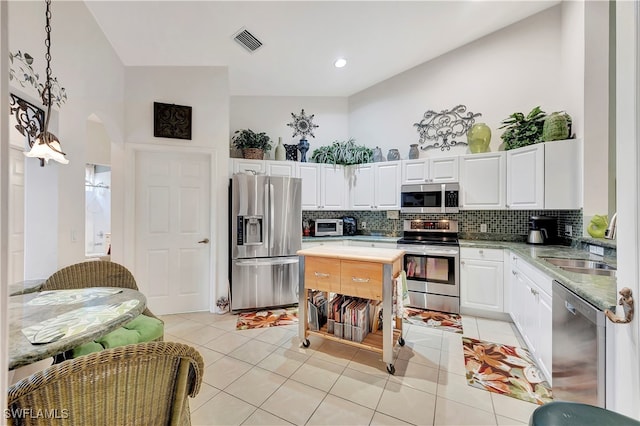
[(514, 272), (481, 251), (360, 280), (322, 275), (462, 262)]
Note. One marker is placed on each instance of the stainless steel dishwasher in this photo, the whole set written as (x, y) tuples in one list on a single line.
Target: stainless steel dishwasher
[(578, 363)]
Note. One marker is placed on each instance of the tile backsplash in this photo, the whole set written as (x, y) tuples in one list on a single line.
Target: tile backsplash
[(509, 225)]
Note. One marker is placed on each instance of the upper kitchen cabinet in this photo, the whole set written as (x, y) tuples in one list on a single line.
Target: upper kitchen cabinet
[(240, 165), (430, 170), (282, 168), (525, 178), (375, 186), (545, 176), (482, 181), (323, 186)]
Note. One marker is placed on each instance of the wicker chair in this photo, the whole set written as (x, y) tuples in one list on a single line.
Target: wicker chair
[(98, 273), (142, 384)]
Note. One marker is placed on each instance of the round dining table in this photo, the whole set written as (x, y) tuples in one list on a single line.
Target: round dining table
[(45, 324)]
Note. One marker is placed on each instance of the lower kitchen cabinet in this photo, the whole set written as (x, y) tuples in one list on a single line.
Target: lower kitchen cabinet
[(481, 279), (531, 310), (375, 244), (307, 244)]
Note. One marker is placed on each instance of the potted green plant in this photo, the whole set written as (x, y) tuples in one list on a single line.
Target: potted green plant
[(343, 152), (523, 130), (252, 144)]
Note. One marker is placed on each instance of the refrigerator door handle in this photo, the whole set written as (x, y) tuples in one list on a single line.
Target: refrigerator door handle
[(263, 262), (271, 216)]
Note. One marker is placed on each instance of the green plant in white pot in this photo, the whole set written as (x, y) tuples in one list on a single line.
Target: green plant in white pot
[(252, 144)]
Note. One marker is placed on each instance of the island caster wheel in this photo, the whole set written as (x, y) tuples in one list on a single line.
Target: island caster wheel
[(401, 341), (391, 369), (306, 343)]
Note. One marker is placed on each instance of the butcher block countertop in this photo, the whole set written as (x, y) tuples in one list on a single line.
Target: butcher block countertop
[(365, 254)]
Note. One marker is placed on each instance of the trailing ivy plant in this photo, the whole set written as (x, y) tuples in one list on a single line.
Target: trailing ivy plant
[(523, 130), (343, 152), (21, 70)]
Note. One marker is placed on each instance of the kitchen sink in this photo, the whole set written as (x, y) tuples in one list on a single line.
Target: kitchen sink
[(583, 266)]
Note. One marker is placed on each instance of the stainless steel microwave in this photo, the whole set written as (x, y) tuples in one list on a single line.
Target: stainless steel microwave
[(430, 198), (328, 227)]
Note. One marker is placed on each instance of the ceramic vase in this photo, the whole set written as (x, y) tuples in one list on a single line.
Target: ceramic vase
[(303, 147), (291, 152), (377, 155), (478, 138), (413, 151), (393, 154), (281, 153)]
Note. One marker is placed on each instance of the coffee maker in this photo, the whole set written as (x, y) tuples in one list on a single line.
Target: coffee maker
[(542, 230)]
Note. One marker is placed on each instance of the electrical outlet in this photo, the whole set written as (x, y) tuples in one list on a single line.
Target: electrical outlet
[(364, 224), (483, 227), (568, 230), (596, 250)]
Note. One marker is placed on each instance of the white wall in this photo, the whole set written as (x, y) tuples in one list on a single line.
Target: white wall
[(206, 90), (623, 340), (271, 114), (86, 65), (98, 144), (514, 69)]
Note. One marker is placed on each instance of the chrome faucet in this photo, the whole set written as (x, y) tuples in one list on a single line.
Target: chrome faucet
[(610, 233)]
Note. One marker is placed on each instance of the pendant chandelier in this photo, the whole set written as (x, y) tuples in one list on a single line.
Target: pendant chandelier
[(47, 146)]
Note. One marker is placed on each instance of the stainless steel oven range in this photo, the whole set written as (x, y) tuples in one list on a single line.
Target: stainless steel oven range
[(432, 264)]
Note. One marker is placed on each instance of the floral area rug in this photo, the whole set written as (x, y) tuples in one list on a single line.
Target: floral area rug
[(269, 318), (503, 369), (434, 319)]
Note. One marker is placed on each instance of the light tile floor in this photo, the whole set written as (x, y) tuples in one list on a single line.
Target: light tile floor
[(264, 377)]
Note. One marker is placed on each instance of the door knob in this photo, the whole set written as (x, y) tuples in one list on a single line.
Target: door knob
[(205, 241)]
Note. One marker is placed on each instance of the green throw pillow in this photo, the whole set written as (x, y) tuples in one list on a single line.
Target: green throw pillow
[(148, 328), (87, 348)]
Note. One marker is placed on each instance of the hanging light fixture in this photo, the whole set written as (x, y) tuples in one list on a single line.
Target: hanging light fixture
[(47, 146)]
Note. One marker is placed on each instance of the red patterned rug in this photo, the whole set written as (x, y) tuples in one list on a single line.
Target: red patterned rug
[(434, 319), (267, 318), (503, 369)]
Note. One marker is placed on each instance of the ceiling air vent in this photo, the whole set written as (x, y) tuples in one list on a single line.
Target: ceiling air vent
[(247, 40)]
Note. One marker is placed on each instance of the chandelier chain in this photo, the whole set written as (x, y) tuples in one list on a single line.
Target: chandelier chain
[(47, 56)]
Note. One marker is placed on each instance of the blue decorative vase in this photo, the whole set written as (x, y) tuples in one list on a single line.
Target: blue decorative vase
[(303, 147)]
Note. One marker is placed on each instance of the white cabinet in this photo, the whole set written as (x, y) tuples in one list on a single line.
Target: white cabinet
[(525, 178), (375, 186), (240, 165), (481, 279), (545, 176), (281, 168), (531, 310), (430, 170), (482, 181), (323, 186)]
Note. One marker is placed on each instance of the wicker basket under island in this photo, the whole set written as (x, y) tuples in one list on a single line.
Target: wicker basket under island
[(348, 273)]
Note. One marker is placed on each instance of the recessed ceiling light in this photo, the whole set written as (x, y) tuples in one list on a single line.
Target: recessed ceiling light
[(340, 62)]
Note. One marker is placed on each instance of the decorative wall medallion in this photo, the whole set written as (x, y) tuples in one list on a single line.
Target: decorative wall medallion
[(171, 121), (445, 125), (302, 125), (29, 118)]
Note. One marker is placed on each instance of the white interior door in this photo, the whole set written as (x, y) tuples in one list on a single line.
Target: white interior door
[(16, 216), (172, 222)]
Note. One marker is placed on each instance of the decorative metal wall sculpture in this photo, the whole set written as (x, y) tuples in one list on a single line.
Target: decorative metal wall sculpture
[(302, 125), (171, 121), (445, 125), (29, 118)]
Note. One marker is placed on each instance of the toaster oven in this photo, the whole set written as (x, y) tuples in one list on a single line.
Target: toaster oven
[(328, 227)]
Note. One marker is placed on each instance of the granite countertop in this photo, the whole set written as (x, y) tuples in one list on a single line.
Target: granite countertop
[(371, 238), (600, 291)]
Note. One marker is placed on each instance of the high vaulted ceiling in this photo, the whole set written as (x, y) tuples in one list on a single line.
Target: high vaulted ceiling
[(301, 39)]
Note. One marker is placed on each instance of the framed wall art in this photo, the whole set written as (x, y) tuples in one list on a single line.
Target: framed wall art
[(171, 121)]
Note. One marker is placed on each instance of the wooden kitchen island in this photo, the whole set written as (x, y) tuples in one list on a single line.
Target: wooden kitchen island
[(362, 272)]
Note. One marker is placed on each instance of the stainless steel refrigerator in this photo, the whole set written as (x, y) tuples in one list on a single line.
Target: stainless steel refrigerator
[(266, 233)]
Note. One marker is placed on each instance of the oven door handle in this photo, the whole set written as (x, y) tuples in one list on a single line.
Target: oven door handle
[(433, 252)]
